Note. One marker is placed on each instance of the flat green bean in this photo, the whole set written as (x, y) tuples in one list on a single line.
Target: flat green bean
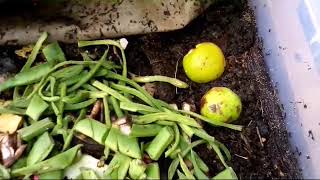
[(167, 116), (35, 129), (69, 137), (176, 142), (113, 75), (27, 77), (173, 81), (40, 149), (174, 164), (110, 91), (36, 107), (107, 118), (71, 107), (197, 171), (90, 74), (68, 72), (185, 169), (108, 42), (35, 51), (116, 107), (58, 162), (52, 52), (210, 121), (79, 97), (136, 107), (132, 91)]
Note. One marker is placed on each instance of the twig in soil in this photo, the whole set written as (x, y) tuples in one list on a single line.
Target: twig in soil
[(243, 157), (247, 143), (260, 138), (176, 72), (261, 108), (249, 123)]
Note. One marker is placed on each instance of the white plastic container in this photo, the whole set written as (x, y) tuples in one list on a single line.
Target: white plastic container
[(290, 30)]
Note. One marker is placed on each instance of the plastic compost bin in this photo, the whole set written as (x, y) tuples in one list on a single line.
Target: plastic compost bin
[(290, 30)]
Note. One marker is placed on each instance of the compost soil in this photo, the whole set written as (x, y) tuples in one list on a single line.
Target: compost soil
[(261, 150)]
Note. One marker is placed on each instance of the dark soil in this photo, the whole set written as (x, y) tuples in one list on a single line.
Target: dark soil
[(261, 150)]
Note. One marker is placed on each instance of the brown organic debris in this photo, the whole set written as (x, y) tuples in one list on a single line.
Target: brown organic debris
[(11, 148)]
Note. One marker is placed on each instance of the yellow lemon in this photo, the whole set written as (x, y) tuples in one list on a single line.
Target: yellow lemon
[(204, 63), (221, 104)]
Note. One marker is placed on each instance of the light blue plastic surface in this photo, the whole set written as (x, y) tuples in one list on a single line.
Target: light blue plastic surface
[(290, 30)]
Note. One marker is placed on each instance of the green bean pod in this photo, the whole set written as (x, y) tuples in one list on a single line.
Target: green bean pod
[(35, 129), (146, 79), (40, 149), (52, 52), (58, 162)]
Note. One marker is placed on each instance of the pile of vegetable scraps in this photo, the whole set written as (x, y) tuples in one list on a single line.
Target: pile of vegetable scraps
[(56, 100)]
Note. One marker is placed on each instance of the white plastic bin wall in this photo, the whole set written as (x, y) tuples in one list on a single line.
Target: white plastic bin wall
[(290, 30)]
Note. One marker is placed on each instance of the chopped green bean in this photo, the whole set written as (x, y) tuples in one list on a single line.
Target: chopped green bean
[(165, 123), (147, 130), (52, 52), (210, 121), (50, 99), (135, 85), (108, 42), (36, 107), (52, 175), (228, 173), (132, 91), (79, 97), (90, 74), (176, 142), (34, 51), (197, 171), (112, 139), (93, 129), (68, 72), (174, 164), (12, 110), (20, 103), (160, 143), (202, 134), (136, 107), (153, 171), (88, 173), (35, 129), (186, 129), (224, 149), (27, 77), (4, 173), (67, 142), (181, 175), (173, 81), (71, 107), (58, 162), (41, 149), (107, 118), (129, 146), (110, 91), (200, 163), (185, 169), (118, 167), (137, 169), (168, 116), (27, 90), (116, 107), (89, 87)]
